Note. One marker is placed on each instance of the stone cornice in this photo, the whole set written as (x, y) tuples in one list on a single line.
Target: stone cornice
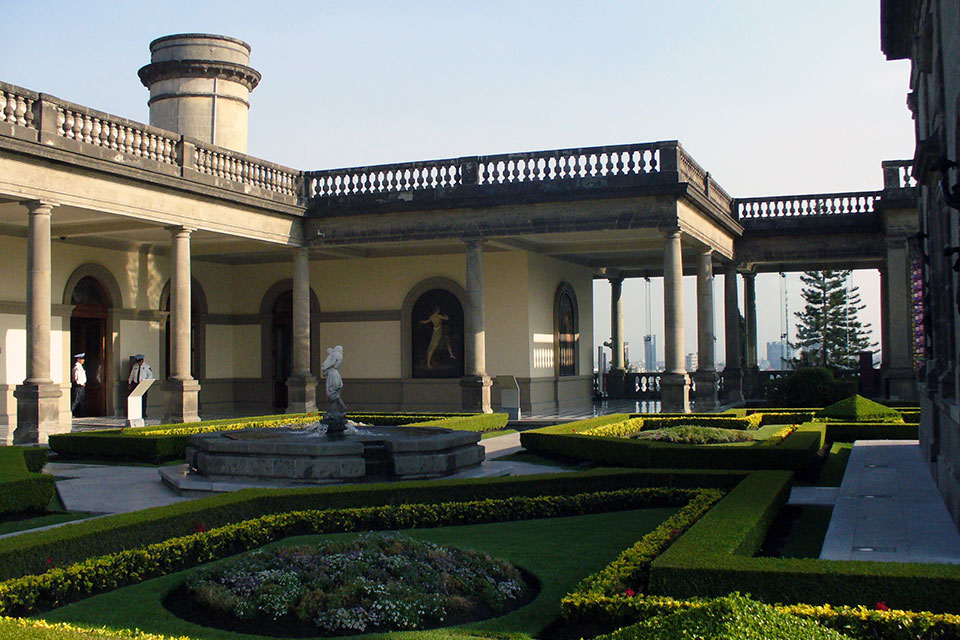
[(172, 69)]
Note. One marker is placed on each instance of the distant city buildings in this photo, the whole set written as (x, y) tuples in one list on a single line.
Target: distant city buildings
[(778, 355), (650, 353)]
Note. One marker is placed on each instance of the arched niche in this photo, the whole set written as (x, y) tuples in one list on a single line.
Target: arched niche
[(418, 332), (276, 338), (566, 331)]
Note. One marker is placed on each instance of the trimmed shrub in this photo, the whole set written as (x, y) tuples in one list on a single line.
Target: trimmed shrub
[(733, 617), (24, 629), (858, 409), (808, 387), (22, 491)]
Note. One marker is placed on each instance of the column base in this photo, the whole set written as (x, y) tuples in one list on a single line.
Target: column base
[(732, 387), (705, 391), (38, 413), (674, 393), (302, 394), (900, 384), (475, 393), (616, 381), (181, 401)]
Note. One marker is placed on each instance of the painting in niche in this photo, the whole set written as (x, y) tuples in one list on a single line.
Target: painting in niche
[(568, 335), (437, 326)]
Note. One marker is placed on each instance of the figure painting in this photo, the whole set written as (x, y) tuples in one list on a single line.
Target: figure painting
[(437, 340)]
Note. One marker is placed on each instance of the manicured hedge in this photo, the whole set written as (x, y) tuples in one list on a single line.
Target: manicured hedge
[(22, 490), (35, 552), (719, 420), (166, 442), (59, 586), (796, 452), (716, 557)]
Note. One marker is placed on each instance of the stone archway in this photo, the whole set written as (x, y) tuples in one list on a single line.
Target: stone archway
[(566, 331), (198, 321), (94, 295), (276, 336)]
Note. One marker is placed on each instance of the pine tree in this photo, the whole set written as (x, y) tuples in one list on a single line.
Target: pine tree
[(829, 333)]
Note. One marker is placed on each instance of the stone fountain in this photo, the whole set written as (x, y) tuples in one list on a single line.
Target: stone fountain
[(333, 450)]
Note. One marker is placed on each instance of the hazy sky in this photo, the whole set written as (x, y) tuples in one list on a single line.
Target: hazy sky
[(770, 97)]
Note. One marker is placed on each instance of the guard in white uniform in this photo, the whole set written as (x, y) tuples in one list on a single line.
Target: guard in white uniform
[(139, 372), (79, 379)]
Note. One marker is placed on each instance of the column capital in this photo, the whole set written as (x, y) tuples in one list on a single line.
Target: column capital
[(615, 278), (671, 231), (40, 206), (750, 276), (180, 230)]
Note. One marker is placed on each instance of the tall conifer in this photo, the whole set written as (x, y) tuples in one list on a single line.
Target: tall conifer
[(829, 332)]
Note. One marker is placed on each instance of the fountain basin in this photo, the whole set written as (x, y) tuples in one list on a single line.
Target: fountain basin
[(297, 455)]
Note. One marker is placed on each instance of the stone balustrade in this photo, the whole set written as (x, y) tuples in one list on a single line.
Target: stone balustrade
[(537, 166), (16, 106), (898, 174), (858, 202), (237, 167), (110, 132), (58, 124)]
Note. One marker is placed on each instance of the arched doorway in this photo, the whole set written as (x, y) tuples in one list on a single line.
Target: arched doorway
[(282, 347), (436, 335), (88, 334)]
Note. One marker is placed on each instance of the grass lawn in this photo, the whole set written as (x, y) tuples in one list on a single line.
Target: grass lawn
[(836, 464), (552, 461), (559, 551), (494, 434)]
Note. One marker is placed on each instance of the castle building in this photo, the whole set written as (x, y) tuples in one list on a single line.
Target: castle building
[(232, 275)]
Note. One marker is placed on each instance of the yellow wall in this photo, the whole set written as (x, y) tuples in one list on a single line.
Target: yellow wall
[(233, 351), (370, 349), (546, 274)]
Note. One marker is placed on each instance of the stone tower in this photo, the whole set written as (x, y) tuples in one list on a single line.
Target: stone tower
[(200, 86)]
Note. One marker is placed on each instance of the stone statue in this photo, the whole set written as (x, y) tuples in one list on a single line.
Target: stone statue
[(336, 418)]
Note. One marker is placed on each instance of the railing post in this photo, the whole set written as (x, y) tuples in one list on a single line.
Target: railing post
[(670, 156), (469, 171), (45, 116), (186, 155)]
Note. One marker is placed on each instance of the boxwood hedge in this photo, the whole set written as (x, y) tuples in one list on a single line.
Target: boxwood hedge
[(21, 488)]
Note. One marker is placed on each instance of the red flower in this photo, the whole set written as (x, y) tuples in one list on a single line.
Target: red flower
[(674, 533), (574, 430), (882, 606), (199, 527), (629, 593), (49, 560)]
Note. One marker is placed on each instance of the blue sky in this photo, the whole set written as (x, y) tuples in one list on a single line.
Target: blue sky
[(770, 97)]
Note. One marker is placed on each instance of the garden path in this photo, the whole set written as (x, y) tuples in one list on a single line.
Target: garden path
[(889, 509)]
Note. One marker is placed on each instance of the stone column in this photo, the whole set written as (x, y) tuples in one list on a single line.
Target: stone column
[(38, 398), (301, 385), (732, 374), (674, 384), (181, 391), (750, 293), (751, 377), (615, 379), (884, 322), (475, 385), (705, 394), (899, 378)]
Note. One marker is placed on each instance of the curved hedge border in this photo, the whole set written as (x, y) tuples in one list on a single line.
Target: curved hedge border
[(22, 489), (31, 594), (36, 552), (24, 629)]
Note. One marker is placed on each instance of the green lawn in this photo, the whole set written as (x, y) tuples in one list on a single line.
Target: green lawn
[(559, 551)]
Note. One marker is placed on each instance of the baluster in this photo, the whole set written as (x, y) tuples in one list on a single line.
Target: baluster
[(67, 125), (21, 111), (3, 106), (77, 127), (28, 114)]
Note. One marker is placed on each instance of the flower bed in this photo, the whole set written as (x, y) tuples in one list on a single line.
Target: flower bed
[(692, 434), (374, 582)]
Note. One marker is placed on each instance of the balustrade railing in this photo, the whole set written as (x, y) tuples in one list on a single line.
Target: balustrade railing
[(16, 107), (537, 166), (642, 386), (109, 132), (898, 174), (825, 204), (237, 167)]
